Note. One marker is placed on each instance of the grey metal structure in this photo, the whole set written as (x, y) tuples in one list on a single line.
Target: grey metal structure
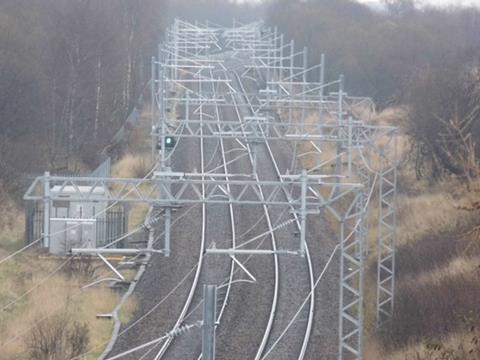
[(169, 189), (288, 89), (285, 106), (386, 232), (209, 321)]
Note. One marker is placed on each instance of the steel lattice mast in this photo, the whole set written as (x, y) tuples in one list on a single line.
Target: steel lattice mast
[(289, 93)]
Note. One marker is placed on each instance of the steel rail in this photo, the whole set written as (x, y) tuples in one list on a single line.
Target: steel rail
[(272, 236), (273, 309), (232, 220), (198, 271), (166, 345), (311, 314), (232, 223)]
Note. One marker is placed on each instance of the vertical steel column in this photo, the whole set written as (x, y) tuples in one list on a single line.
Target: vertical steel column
[(255, 157), (351, 283), (209, 320), (292, 55), (321, 92), (175, 45), (162, 114), (282, 44), (304, 84), (303, 212), (267, 63), (152, 88), (365, 178), (46, 210), (338, 163), (349, 146), (167, 216), (387, 233), (322, 82), (168, 219)]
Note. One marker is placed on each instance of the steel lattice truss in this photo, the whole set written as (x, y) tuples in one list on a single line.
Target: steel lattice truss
[(170, 189), (355, 158), (342, 120), (387, 234)]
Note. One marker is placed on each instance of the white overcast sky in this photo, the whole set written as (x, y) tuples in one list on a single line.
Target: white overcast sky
[(437, 2), (426, 2)]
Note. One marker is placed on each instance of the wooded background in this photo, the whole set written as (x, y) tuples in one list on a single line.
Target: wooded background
[(72, 70)]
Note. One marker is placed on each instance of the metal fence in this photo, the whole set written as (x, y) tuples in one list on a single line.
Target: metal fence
[(33, 221), (109, 227), (112, 227)]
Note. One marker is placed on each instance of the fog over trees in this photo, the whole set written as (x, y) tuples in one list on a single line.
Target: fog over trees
[(425, 58), (72, 70)]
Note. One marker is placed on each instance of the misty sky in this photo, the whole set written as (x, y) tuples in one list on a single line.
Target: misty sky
[(438, 2), (429, 2)]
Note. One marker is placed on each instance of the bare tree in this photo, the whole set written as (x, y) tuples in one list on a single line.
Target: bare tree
[(444, 120), (57, 338)]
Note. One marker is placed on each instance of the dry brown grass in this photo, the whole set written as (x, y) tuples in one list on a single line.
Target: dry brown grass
[(128, 310), (132, 166), (419, 216), (139, 138), (391, 116), (432, 309), (136, 163), (61, 294), (136, 215), (12, 221), (456, 267), (437, 267), (458, 346), (433, 301)]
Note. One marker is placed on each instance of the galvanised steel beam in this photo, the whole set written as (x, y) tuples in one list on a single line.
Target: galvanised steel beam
[(351, 284), (354, 134), (387, 232), (182, 188)]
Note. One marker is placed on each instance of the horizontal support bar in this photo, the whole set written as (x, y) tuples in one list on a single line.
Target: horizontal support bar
[(95, 251), (250, 252)]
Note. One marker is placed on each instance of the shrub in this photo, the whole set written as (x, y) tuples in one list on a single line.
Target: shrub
[(57, 338), (432, 309)]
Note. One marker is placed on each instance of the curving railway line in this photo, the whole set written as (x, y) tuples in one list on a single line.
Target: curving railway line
[(310, 275), (170, 349), (252, 314)]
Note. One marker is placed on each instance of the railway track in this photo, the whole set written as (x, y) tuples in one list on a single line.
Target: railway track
[(274, 301), (188, 305), (266, 337), (311, 279), (198, 271), (164, 351), (270, 323)]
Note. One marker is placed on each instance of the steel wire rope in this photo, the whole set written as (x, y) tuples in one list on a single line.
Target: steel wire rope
[(151, 310), (202, 245), (318, 279), (276, 262), (57, 269), (292, 320), (225, 163), (309, 263)]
